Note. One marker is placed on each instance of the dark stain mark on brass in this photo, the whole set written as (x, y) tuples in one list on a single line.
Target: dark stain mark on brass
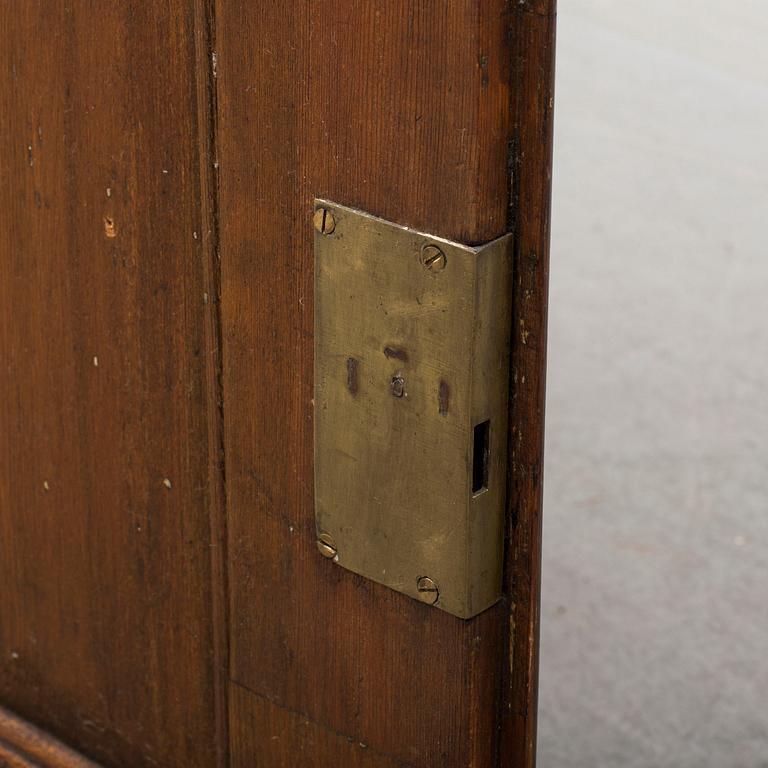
[(352, 375), (392, 353), (443, 397), (398, 386)]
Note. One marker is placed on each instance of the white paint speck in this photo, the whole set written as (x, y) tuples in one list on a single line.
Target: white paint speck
[(46, 486), (167, 483), (109, 191), (95, 361)]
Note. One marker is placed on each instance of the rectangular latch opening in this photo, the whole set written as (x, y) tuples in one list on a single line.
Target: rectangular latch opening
[(480, 451)]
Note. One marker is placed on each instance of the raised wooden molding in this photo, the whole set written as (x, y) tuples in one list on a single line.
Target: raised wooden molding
[(24, 746)]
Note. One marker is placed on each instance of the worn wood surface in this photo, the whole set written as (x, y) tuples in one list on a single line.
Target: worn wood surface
[(533, 59), (24, 746), (106, 631), (408, 111)]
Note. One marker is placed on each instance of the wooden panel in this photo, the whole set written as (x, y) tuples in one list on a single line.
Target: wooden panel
[(106, 635), (24, 746), (403, 109), (267, 736)]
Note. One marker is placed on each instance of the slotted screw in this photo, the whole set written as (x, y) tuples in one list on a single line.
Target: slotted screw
[(427, 589), (433, 258), (324, 221), (326, 546)]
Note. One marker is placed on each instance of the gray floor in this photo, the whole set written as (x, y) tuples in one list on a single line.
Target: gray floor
[(655, 597)]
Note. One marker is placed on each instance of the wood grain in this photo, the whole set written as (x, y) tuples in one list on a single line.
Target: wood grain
[(112, 531), (289, 739), (24, 746), (533, 36), (405, 110), (106, 630)]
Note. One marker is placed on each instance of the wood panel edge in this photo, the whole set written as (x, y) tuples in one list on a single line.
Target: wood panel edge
[(533, 67), (23, 744)]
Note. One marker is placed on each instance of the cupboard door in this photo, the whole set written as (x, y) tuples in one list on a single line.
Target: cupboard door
[(164, 601), (432, 115)]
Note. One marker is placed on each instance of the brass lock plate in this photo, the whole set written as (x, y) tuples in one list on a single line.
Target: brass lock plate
[(411, 388)]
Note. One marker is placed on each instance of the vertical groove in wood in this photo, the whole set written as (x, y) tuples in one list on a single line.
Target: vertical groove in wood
[(533, 36), (205, 80)]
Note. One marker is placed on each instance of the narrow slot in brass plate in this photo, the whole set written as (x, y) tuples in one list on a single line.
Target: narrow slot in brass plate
[(411, 389)]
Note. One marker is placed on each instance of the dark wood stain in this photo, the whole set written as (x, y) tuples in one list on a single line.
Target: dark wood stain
[(108, 454)]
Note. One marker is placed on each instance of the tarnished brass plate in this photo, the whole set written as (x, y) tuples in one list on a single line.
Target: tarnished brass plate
[(411, 389)]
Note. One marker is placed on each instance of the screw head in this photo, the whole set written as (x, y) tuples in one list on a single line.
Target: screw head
[(428, 591), (433, 258), (326, 546), (324, 221), (398, 386)]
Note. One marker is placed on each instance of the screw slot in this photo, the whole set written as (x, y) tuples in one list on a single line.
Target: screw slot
[(324, 221), (427, 589), (326, 545), (433, 258)]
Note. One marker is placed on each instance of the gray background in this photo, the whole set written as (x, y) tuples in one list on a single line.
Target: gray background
[(655, 594)]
